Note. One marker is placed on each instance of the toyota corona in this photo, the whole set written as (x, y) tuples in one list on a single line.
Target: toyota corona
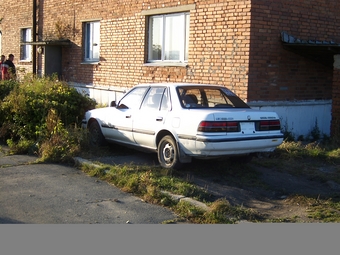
[(181, 121)]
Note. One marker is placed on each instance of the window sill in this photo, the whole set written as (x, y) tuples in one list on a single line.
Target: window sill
[(25, 61), (90, 63), (167, 64)]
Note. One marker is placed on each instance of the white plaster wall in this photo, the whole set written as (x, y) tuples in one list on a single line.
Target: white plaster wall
[(301, 117), (102, 95)]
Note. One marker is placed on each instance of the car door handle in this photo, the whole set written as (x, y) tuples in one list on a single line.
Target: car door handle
[(128, 116), (159, 118)]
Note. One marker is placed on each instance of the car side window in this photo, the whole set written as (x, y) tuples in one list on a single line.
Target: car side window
[(155, 99), (165, 105), (133, 99)]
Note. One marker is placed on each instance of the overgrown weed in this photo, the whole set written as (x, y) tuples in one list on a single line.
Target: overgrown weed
[(41, 115), (320, 209), (301, 158)]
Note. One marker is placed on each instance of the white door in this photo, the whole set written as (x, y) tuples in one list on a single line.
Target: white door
[(120, 122), (151, 117)]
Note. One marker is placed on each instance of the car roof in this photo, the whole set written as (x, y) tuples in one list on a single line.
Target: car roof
[(176, 84)]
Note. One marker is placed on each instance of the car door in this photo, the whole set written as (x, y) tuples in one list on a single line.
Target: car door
[(121, 121), (151, 117)]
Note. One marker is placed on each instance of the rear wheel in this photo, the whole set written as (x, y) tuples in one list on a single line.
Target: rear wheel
[(96, 136), (168, 154)]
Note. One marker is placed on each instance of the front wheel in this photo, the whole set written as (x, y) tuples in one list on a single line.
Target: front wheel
[(96, 136), (168, 154)]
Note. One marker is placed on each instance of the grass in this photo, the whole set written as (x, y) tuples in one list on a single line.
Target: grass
[(320, 209), (221, 212), (314, 160)]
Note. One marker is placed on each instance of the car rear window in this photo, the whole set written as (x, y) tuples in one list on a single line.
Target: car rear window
[(209, 97)]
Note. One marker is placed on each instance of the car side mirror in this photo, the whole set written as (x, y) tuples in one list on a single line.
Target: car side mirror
[(113, 104)]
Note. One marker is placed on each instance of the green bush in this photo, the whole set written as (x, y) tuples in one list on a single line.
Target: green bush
[(6, 87), (35, 108)]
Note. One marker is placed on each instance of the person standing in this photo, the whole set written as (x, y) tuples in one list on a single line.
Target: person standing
[(3, 58), (8, 68)]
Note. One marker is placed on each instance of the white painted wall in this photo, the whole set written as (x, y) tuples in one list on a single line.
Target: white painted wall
[(298, 118), (102, 95)]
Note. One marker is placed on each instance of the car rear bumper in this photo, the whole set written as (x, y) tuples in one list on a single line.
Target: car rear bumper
[(238, 139), (209, 147)]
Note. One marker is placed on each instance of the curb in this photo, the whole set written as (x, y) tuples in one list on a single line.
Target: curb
[(187, 199)]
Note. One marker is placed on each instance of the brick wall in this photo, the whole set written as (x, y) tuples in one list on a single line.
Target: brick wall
[(15, 16), (277, 74), (233, 43), (220, 38), (216, 56)]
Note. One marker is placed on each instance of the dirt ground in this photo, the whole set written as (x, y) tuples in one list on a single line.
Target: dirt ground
[(278, 195)]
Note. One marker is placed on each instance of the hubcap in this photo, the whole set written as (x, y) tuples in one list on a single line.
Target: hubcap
[(168, 153)]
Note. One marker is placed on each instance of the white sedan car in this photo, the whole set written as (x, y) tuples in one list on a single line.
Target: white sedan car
[(179, 121)]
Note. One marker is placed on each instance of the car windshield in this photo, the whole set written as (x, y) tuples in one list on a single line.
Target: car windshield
[(209, 97)]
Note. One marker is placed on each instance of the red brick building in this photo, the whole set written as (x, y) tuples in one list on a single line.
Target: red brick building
[(281, 55)]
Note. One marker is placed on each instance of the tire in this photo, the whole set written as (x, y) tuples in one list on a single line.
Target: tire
[(168, 154), (96, 137)]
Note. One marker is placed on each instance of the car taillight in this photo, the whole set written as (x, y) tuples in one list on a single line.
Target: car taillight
[(218, 126), (267, 125)]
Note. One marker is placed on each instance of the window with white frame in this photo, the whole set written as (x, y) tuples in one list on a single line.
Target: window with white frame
[(168, 37), (26, 49), (91, 40)]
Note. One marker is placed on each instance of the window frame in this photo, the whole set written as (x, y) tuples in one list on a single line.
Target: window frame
[(184, 18), (166, 10), (25, 48), (91, 35)]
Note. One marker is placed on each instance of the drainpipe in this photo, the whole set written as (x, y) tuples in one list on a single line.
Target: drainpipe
[(34, 39), (335, 122)]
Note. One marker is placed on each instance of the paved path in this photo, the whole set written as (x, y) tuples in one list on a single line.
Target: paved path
[(57, 194)]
